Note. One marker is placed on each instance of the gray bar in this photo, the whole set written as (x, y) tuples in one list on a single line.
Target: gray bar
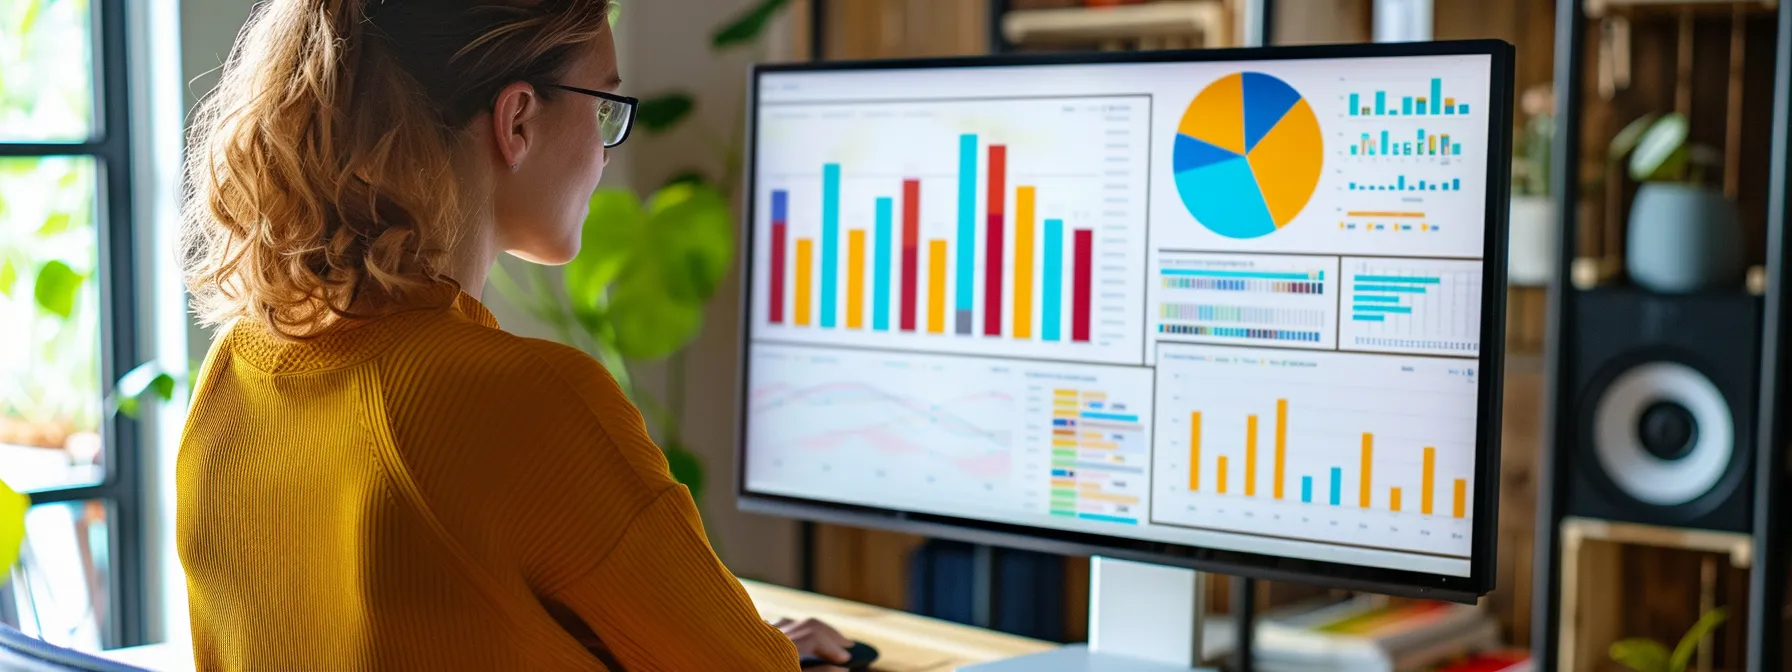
[(964, 321), (1110, 467)]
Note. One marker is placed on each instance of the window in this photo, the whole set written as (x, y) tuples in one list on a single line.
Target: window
[(68, 321)]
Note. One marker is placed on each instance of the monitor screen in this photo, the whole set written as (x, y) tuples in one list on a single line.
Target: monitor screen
[(1234, 308)]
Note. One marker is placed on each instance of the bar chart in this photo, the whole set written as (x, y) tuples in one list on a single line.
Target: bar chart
[(1404, 183), (1365, 450), (1100, 454), (1420, 306), (1398, 143), (1058, 444), (1246, 299), (1384, 103), (1394, 221), (970, 226)]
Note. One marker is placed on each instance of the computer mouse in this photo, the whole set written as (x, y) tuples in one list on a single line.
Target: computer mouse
[(862, 657)]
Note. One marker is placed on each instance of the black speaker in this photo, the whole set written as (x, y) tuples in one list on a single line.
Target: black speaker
[(1663, 409)]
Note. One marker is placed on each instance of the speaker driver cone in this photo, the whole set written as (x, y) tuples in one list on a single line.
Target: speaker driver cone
[(1663, 433)]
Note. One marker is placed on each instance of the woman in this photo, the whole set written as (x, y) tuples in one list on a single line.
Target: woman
[(374, 476)]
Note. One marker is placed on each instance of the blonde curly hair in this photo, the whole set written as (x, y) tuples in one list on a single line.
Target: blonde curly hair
[(319, 175)]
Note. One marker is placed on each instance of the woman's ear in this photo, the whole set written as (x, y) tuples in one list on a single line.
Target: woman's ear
[(514, 130)]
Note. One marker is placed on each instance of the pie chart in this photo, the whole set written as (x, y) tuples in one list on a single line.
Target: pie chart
[(1248, 155)]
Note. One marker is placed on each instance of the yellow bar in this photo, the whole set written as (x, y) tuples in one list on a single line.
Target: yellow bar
[(1064, 482), (1461, 498), (1194, 451), (1095, 396), (1104, 497), (1093, 435), (1063, 393), (1064, 443), (1066, 404), (1433, 140), (1101, 445), (855, 279), (1420, 102), (936, 286), (1449, 101), (1377, 213), (1368, 449), (1394, 499), (1023, 262), (805, 268), (1281, 442), (1250, 456), (1425, 490), (1222, 474)]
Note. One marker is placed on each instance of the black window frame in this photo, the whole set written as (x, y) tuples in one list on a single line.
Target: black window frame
[(121, 490)]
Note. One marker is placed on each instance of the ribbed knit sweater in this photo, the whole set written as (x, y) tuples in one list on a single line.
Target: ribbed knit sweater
[(425, 491)]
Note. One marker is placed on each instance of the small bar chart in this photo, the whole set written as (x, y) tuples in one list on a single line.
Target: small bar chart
[(1240, 299), (1001, 241), (1408, 183), (1432, 102), (1366, 450), (1396, 143), (1419, 306)]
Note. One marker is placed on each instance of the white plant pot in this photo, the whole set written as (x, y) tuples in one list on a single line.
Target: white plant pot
[(1531, 249)]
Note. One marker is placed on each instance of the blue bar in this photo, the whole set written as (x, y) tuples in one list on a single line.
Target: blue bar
[(967, 219), (1449, 109), (1417, 280), (1116, 417), (1337, 484), (1381, 102), (1401, 183), (1384, 143), (1462, 108), (1062, 473), (1456, 183), (1253, 275), (1406, 105), (1108, 519), (1376, 298), (1456, 149), (880, 306), (1403, 310), (1390, 288), (1421, 185), (1353, 149), (1061, 422), (1306, 489), (780, 205), (830, 242), (1368, 318), (1437, 95), (1052, 291), (1355, 108)]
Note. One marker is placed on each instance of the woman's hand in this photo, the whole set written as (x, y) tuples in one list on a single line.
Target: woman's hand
[(815, 639)]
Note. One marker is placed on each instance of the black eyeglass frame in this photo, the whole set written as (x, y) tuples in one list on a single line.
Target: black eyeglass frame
[(632, 102)]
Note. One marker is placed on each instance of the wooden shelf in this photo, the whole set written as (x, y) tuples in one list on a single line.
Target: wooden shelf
[(1600, 8), (1181, 19)]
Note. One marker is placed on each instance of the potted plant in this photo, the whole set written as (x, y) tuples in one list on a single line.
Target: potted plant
[(1532, 232), (1648, 655), (1684, 236)]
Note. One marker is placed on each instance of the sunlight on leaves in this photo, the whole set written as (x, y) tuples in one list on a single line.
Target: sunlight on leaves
[(57, 287)]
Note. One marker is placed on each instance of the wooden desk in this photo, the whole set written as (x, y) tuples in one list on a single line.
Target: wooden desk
[(906, 642)]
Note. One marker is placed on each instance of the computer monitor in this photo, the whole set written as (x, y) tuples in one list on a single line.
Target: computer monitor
[(1237, 310)]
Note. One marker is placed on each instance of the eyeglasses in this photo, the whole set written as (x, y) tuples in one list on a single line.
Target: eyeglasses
[(615, 114)]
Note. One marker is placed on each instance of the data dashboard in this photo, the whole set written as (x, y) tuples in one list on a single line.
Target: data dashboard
[(1233, 304)]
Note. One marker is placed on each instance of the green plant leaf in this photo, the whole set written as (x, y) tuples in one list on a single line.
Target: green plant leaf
[(9, 274), (12, 527), (686, 176), (1689, 643), (694, 229), (748, 25), (1642, 655), (660, 113), (1662, 149), (615, 229), (163, 387), (56, 288), (647, 324), (54, 224), (1627, 138), (686, 467)]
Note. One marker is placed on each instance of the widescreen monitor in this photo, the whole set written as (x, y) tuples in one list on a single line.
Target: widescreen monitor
[(1235, 310)]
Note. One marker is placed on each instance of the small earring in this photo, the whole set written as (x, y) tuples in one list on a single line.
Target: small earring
[(513, 167)]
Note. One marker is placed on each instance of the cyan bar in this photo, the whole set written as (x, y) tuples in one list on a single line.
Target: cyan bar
[(1116, 417), (1368, 318), (1376, 298), (1381, 102), (1364, 308), (1384, 143), (1354, 105), (1306, 489), (1053, 288), (830, 242), (1254, 275), (967, 230), (880, 305), (1398, 278), (1337, 485), (1437, 95), (1108, 519), (1406, 105), (1390, 288)]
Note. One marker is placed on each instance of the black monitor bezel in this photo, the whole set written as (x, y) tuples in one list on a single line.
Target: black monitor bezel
[(1467, 589)]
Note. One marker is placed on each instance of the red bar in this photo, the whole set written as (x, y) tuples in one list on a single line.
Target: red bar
[(1083, 286), (992, 259), (778, 271), (911, 243)]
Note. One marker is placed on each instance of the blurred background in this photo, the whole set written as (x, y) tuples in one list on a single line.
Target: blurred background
[(1673, 100)]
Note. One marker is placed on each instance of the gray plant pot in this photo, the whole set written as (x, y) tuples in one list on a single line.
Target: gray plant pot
[(1684, 238)]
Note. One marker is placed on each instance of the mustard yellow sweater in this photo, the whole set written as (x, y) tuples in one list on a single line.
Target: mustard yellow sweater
[(427, 492)]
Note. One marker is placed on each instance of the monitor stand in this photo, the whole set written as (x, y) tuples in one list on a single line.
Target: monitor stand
[(1142, 618)]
